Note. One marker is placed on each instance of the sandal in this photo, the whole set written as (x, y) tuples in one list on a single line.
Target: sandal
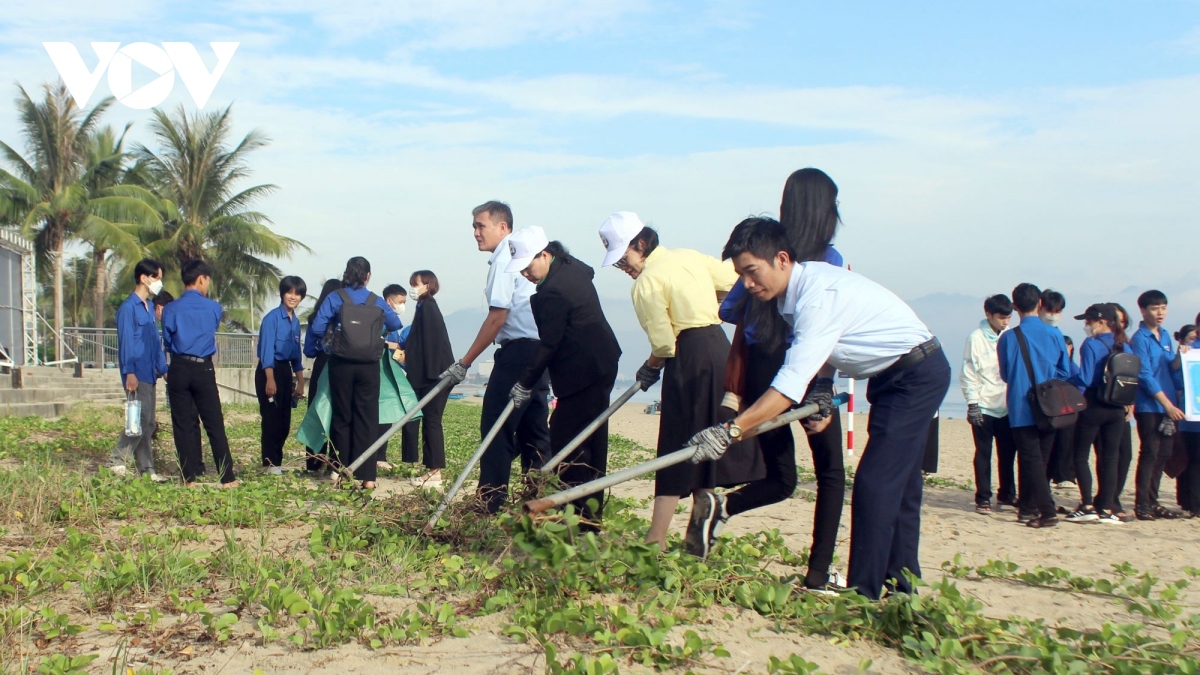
[(1051, 521), (1163, 513), (983, 508)]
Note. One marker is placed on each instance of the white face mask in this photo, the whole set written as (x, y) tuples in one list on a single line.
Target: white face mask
[(155, 287), (1089, 329), (1050, 319), (399, 308)]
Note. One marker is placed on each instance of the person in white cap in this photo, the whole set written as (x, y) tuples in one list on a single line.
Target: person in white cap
[(579, 350), (675, 295), (510, 325)]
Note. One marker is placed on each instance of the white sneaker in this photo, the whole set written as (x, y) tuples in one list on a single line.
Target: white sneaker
[(119, 470), (158, 479), (275, 470)]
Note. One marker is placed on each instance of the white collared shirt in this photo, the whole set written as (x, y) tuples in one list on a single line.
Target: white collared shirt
[(844, 319), (510, 291)]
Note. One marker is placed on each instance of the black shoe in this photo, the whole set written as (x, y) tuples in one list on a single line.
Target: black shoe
[(1007, 502), (1049, 521), (708, 519), (1024, 517), (1145, 514), (1163, 513)]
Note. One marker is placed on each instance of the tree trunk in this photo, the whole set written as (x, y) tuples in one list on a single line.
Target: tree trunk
[(99, 287)]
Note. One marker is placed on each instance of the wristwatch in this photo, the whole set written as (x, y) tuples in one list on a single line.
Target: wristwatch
[(735, 432)]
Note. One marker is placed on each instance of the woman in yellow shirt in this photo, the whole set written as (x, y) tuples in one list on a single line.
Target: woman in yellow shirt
[(675, 295)]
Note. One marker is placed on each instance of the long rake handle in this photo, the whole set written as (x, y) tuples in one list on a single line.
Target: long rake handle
[(591, 428), (462, 476), (659, 463), (348, 472)]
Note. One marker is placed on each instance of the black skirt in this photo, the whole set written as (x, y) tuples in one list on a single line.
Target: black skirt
[(693, 385)]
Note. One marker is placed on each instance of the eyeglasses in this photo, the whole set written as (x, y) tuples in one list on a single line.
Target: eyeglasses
[(623, 264)]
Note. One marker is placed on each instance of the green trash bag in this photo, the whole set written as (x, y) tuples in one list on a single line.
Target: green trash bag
[(396, 397)]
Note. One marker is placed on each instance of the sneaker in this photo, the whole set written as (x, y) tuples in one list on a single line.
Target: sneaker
[(274, 471), (119, 470), (708, 519), (1109, 519), (158, 479), (1082, 515)]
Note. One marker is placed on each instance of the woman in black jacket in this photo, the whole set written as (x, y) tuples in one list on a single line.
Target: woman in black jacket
[(577, 346), (427, 353)]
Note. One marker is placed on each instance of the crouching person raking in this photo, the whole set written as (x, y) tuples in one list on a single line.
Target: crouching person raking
[(863, 329)]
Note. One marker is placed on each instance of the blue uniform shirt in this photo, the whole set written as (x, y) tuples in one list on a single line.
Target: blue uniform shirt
[(312, 343), (139, 346), (1048, 353), (1156, 374), (279, 339), (729, 306), (1092, 355), (190, 324), (328, 310)]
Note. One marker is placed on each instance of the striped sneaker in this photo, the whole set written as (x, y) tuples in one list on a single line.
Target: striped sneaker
[(708, 519), (1082, 515)]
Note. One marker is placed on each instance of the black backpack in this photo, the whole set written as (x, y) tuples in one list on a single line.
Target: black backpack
[(1120, 383), (358, 334)]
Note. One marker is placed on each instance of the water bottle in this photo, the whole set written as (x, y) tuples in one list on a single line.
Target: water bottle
[(133, 416)]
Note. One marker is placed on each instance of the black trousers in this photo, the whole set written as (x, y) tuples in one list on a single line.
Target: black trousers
[(428, 429), (1152, 457), (995, 429), (1060, 463), (778, 449), (590, 460), (526, 433), (192, 393), (1189, 480), (885, 512), (315, 458), (1098, 424), (354, 390), (276, 414), (1033, 487)]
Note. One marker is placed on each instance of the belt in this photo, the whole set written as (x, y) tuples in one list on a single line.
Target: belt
[(913, 357), (193, 359), (505, 343)]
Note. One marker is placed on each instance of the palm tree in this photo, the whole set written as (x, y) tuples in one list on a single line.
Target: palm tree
[(135, 211), (196, 173), (47, 193)]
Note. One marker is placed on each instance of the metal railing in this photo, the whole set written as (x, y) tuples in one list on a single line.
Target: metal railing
[(97, 347), (50, 341)]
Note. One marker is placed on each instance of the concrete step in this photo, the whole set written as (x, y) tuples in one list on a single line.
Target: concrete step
[(44, 410), (14, 396)]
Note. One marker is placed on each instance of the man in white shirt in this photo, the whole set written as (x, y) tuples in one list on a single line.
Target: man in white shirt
[(987, 410), (510, 325), (844, 319)]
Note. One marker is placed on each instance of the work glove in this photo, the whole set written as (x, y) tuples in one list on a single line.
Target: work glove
[(974, 414), (711, 443), (457, 373), (647, 376), (519, 396), (1167, 427), (820, 392)]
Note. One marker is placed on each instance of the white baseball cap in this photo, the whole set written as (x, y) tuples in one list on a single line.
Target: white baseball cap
[(524, 247), (617, 232)]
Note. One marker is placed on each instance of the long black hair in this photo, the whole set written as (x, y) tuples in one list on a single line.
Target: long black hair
[(809, 212)]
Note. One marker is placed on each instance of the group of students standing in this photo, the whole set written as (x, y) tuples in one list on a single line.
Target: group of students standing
[(1124, 375)]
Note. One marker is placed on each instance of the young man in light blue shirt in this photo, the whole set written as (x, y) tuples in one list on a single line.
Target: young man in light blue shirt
[(843, 319)]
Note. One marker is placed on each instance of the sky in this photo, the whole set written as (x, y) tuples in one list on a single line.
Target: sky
[(975, 145)]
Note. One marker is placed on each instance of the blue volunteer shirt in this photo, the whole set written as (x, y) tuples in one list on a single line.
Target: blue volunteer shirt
[(1156, 375), (328, 310), (190, 324), (1092, 355), (312, 343), (279, 340), (729, 306), (1048, 353), (139, 346)]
